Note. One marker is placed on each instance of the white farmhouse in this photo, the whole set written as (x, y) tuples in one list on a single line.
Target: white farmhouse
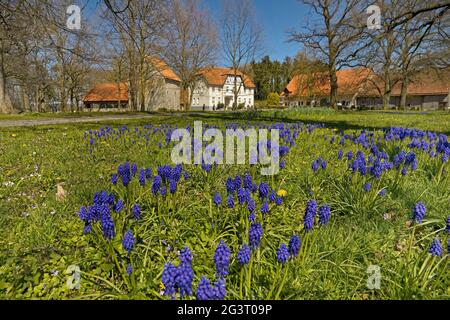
[(215, 89)]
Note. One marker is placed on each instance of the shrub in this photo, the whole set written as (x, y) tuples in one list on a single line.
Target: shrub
[(273, 100)]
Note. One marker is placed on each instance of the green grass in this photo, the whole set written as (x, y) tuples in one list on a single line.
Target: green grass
[(42, 237)]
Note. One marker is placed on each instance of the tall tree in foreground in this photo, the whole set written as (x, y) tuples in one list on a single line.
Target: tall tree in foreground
[(336, 38), (139, 26), (241, 38), (190, 43)]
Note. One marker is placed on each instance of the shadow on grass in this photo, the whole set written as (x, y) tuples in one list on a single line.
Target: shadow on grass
[(329, 123)]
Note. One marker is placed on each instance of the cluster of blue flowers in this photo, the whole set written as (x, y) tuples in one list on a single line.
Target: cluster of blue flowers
[(436, 248), (419, 212), (435, 145), (128, 241), (206, 291), (167, 178), (179, 279), (101, 210), (311, 212), (243, 255), (222, 260), (319, 163), (254, 235), (245, 190)]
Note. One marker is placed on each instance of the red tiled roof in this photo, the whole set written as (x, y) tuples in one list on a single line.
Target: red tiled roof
[(364, 82), (218, 76), (425, 84), (349, 82), (163, 68), (107, 92)]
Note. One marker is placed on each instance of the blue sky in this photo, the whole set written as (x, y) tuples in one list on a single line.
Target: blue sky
[(276, 17)]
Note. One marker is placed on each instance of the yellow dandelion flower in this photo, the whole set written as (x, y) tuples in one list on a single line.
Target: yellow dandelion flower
[(162, 287), (282, 193), (14, 135)]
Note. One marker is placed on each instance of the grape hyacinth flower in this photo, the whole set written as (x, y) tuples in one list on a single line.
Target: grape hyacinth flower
[(107, 224), (184, 278), (254, 235), (237, 182), (129, 269), (367, 186), (156, 185), (230, 202), (283, 254), (128, 241), (172, 186), (169, 279), (186, 255), (220, 289), (263, 190), (118, 206), (87, 228), (230, 185), (205, 291), (252, 217), (294, 246), (251, 205), (272, 196), (383, 192), (265, 208), (436, 248), (310, 213), (217, 199), (142, 177), (248, 182), (419, 212), (279, 201), (136, 212), (324, 214), (242, 196), (114, 179), (222, 259), (243, 255), (148, 173), (315, 166)]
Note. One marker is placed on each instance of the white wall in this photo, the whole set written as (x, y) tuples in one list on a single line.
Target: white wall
[(210, 96)]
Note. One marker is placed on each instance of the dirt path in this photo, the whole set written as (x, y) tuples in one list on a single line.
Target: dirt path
[(51, 121)]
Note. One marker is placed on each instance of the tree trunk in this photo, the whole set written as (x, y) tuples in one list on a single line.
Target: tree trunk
[(62, 93), (334, 89), (5, 101), (387, 89), (25, 97), (235, 92), (403, 93), (71, 99)]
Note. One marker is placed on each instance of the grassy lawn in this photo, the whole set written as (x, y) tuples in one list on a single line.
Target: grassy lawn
[(43, 235)]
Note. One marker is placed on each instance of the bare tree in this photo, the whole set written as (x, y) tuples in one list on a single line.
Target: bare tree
[(190, 43), (139, 25), (34, 35), (416, 40), (337, 38), (241, 38)]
